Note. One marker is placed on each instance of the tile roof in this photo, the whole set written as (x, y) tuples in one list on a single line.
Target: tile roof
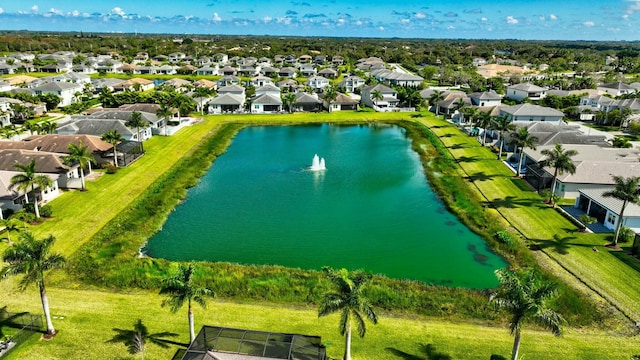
[(45, 162)]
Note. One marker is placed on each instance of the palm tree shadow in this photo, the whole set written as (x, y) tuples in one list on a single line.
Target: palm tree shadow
[(428, 349), (134, 339), (480, 176), (511, 202), (561, 245), (466, 159)]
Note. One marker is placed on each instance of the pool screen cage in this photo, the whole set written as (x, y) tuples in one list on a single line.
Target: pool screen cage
[(218, 343)]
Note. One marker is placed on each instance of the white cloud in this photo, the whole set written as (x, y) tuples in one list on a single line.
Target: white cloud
[(55, 11), (118, 11), (633, 7), (484, 19), (358, 23), (420, 15), (267, 19), (284, 20), (405, 21), (1, 10), (589, 23), (511, 20), (451, 27), (625, 16), (216, 17), (381, 28), (542, 17), (34, 8), (553, 17), (75, 13)]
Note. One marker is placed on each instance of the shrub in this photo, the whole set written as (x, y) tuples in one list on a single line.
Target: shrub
[(24, 216), (626, 235), (545, 194), (111, 169), (46, 211)]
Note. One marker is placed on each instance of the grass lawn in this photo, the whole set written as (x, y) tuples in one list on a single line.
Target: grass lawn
[(86, 317), (557, 237)]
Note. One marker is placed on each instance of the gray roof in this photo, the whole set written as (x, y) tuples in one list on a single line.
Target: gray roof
[(231, 89), (485, 95), (590, 152), (5, 183), (379, 87), (267, 99), (526, 87), (549, 133), (611, 203), (617, 86), (531, 110), (268, 87), (58, 86), (46, 162), (228, 99), (599, 172), (304, 98), (125, 115), (95, 127)]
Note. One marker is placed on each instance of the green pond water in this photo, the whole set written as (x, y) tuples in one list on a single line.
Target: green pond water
[(372, 208)]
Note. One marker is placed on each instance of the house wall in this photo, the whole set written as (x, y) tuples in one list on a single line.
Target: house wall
[(571, 190)]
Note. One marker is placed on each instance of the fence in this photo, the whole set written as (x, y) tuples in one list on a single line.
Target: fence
[(25, 324)]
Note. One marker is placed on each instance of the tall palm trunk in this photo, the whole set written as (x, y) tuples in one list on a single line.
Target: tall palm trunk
[(520, 162), (192, 333), (516, 346), (35, 202), (45, 307), (347, 344), (615, 239), (115, 156), (82, 178)]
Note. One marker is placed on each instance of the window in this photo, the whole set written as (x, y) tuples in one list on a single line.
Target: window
[(611, 218)]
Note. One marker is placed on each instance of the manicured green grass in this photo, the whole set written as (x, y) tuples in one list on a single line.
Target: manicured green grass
[(90, 316), (558, 238)]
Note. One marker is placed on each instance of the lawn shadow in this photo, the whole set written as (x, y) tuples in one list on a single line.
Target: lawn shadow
[(480, 176), (561, 245), (136, 338), (512, 202), (466, 159), (522, 185), (428, 349)]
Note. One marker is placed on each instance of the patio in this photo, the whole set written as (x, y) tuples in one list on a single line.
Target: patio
[(596, 227)]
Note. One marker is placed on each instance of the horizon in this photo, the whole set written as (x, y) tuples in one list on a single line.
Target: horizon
[(590, 20)]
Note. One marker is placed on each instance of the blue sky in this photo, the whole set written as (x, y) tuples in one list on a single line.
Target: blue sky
[(497, 19)]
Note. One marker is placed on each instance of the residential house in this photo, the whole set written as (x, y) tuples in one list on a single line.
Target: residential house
[(307, 102), (104, 83), (147, 113), (65, 90), (616, 88), (208, 70), (595, 166), (134, 84), (606, 210), (206, 84), (305, 59), (259, 81), (341, 102), (530, 112), (389, 99), (351, 83), (522, 91), (269, 71), (308, 70), (329, 73), (397, 78), (96, 127), (14, 199), (287, 72), (230, 99), (59, 144), (5, 86), (228, 80), (68, 176), (485, 99), (176, 57), (479, 61), (266, 103), (247, 70), (318, 83), (288, 85), (337, 60), (180, 85), (228, 70)]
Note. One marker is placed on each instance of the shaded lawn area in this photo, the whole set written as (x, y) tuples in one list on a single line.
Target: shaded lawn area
[(602, 271), (90, 316)]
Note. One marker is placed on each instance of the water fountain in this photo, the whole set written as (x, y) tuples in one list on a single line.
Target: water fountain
[(317, 164)]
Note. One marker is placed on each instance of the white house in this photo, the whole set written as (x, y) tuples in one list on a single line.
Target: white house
[(607, 209), (616, 88), (530, 112), (351, 83), (485, 99), (389, 96), (65, 90), (520, 92), (318, 82)]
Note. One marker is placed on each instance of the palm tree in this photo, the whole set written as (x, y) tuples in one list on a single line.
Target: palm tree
[(135, 121), (288, 100), (32, 257), (27, 181), (349, 299), (502, 124), (435, 99), (113, 137), (79, 154), (165, 113), (376, 95), (560, 160), (135, 340), (522, 139), (627, 190), (179, 288), (459, 105), (9, 226), (484, 122), (48, 127), (525, 297)]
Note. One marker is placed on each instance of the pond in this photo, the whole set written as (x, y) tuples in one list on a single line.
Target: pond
[(372, 208)]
